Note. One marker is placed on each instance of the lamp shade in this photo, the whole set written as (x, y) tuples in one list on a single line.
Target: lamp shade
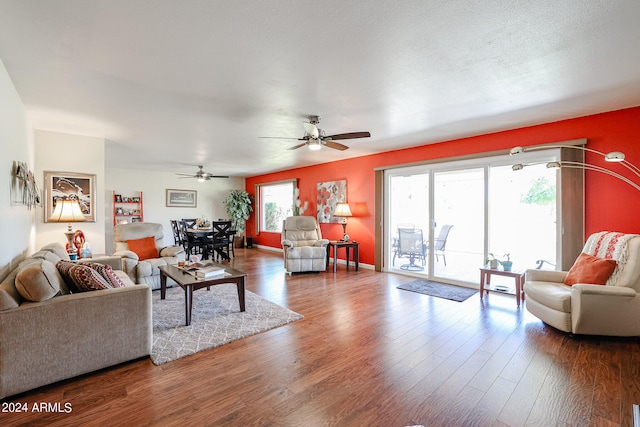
[(342, 209), (67, 211)]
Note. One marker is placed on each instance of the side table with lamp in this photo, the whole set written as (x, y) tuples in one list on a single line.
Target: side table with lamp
[(343, 211)]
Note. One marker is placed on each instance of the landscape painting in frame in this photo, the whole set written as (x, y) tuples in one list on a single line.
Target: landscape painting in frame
[(70, 186), (182, 198), (330, 193)]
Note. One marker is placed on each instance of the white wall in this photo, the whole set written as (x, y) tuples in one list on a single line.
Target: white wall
[(60, 152), (127, 182), (16, 144)]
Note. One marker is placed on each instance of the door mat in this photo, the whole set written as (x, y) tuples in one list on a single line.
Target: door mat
[(440, 290)]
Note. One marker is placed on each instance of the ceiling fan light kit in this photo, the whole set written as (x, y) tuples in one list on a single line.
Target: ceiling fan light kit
[(200, 175), (315, 138)]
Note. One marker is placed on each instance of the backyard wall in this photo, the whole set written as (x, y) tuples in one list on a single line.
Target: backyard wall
[(610, 204)]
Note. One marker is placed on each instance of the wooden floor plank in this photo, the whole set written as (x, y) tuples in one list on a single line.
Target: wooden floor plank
[(366, 353)]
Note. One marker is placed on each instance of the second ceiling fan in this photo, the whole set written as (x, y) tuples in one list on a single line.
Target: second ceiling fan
[(315, 138), (200, 175)]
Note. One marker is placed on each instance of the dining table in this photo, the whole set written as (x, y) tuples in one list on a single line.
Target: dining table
[(214, 243)]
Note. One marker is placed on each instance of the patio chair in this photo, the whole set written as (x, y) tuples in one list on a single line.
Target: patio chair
[(440, 243), (394, 245), (411, 244)]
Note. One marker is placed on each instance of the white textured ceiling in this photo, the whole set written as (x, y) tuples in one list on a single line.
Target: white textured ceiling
[(172, 84)]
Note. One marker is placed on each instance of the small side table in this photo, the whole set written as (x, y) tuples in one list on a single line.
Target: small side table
[(340, 244), (485, 279)]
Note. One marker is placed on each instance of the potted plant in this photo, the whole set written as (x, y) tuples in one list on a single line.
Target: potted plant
[(492, 261), (507, 264), (238, 204)]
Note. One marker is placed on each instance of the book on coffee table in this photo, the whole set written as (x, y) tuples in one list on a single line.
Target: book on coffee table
[(209, 272)]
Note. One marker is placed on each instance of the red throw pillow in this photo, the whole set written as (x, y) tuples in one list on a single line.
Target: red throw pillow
[(144, 248), (591, 270)]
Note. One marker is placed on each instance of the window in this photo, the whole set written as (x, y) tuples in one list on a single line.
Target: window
[(276, 203)]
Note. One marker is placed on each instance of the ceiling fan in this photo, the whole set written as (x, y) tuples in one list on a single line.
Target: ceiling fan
[(315, 138), (201, 175)]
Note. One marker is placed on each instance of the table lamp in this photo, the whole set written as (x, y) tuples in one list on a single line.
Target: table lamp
[(343, 211), (68, 211)]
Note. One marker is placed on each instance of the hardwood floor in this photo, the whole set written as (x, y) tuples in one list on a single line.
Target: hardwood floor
[(366, 354)]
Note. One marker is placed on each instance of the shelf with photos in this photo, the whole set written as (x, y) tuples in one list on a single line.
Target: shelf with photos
[(127, 208)]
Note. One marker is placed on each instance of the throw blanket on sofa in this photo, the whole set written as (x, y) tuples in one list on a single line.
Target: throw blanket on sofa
[(610, 245)]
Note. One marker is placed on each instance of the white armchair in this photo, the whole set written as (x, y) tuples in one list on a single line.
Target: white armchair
[(304, 247), (144, 271), (586, 308)]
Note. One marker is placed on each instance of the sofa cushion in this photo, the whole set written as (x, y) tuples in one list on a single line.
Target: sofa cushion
[(556, 296), (50, 256), (9, 295), (37, 280), (58, 249), (145, 248), (589, 269), (53, 258)]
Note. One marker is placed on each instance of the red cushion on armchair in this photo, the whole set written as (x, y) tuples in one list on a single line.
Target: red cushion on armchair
[(590, 269), (145, 248)]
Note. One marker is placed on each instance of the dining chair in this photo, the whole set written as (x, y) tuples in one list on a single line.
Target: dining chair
[(178, 237), (221, 243), (193, 245), (232, 235)]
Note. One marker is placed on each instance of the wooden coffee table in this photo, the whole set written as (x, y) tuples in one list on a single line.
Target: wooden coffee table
[(190, 283)]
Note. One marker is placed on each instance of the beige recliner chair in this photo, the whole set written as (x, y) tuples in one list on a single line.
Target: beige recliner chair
[(612, 309), (145, 271), (304, 247)]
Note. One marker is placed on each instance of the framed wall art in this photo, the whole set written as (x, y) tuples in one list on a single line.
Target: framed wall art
[(330, 193), (70, 186), (182, 198)]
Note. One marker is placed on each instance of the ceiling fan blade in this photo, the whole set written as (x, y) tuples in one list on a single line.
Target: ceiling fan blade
[(350, 135), (311, 129), (215, 176), (278, 137), (297, 146), (188, 175), (335, 145)]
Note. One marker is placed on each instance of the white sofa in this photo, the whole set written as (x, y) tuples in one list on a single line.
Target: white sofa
[(303, 245), (54, 336), (584, 308)]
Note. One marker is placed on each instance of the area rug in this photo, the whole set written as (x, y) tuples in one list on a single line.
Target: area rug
[(440, 290), (216, 320)]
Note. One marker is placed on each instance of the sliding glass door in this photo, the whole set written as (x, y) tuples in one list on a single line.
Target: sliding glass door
[(459, 217), (462, 211)]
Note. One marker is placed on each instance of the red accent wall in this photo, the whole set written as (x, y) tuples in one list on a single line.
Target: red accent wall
[(610, 204)]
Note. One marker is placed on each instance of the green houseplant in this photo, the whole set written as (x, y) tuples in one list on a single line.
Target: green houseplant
[(238, 204), (507, 264), (492, 261)]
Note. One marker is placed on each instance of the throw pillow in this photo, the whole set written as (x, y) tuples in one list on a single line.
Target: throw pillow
[(590, 269), (107, 273), (145, 248), (63, 268), (37, 280), (81, 277)]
